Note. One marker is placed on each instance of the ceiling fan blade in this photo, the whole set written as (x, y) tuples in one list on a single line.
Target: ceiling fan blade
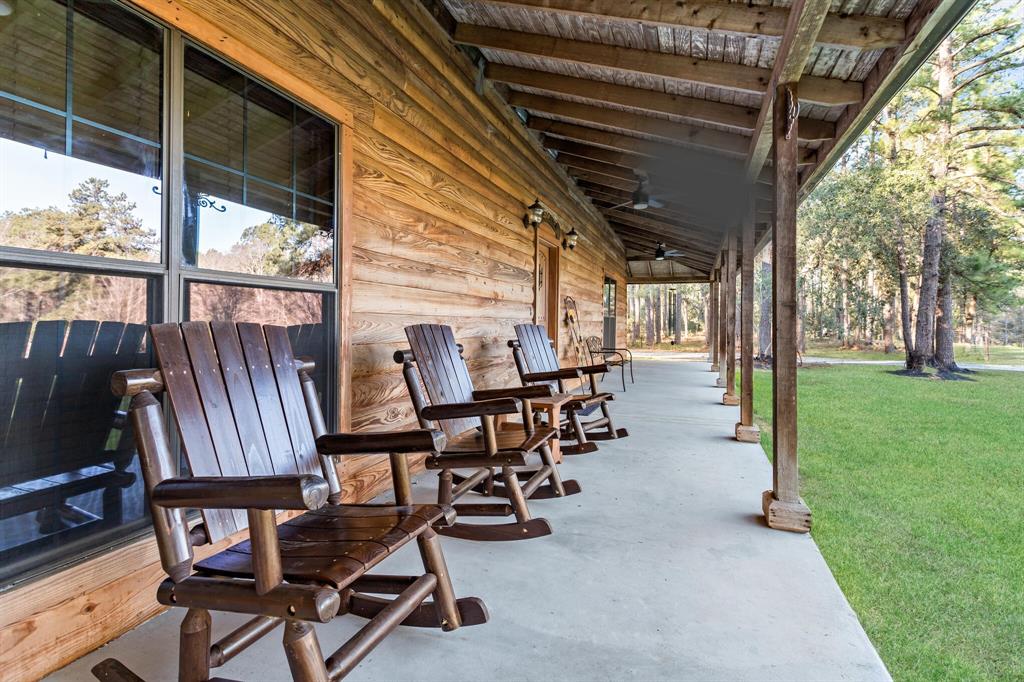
[(655, 203), (627, 203)]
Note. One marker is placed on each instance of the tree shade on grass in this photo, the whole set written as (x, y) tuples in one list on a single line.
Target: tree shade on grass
[(996, 355), (917, 489)]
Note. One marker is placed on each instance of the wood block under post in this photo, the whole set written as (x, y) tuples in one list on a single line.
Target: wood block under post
[(791, 516), (730, 399), (748, 433)]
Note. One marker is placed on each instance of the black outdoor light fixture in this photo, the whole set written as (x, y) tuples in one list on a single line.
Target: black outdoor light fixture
[(537, 213), (570, 238)]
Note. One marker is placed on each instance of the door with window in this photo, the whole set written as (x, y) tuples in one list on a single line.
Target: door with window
[(608, 338), (142, 179)]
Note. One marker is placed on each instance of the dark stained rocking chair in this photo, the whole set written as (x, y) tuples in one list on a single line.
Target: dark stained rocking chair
[(467, 417), (254, 436), (537, 363)]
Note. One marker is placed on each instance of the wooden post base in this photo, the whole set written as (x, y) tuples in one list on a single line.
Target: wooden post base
[(791, 516), (714, 367), (730, 399), (719, 383), (748, 433)]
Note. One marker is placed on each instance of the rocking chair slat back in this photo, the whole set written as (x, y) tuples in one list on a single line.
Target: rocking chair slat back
[(442, 370), (303, 443), (537, 350), (176, 370), (268, 402), (237, 400)]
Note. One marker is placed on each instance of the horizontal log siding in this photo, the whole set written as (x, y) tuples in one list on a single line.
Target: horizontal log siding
[(441, 179)]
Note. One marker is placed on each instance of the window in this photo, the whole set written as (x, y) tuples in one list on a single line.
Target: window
[(103, 231)]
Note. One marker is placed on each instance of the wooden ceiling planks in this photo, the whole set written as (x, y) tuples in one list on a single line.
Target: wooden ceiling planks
[(621, 92)]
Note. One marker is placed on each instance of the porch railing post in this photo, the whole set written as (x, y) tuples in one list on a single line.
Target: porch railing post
[(746, 430), (730, 397), (723, 314), (713, 322), (782, 505)]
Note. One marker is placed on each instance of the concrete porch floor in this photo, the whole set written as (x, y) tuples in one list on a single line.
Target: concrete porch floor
[(662, 569)]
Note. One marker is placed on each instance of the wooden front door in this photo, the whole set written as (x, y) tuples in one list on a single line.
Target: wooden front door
[(547, 287)]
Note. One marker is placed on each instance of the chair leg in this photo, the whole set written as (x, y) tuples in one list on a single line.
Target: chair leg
[(515, 494), (444, 487), (302, 648), (194, 648), (555, 479), (623, 368), (612, 433), (631, 379), (444, 593)]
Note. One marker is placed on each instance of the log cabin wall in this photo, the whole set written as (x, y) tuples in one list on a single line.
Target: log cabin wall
[(440, 178)]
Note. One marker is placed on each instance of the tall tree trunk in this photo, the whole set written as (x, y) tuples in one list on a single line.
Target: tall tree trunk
[(801, 337), (906, 325), (764, 327), (649, 317), (924, 340), (686, 317), (678, 331), (944, 354), (843, 306), (889, 323), (657, 313), (707, 316)]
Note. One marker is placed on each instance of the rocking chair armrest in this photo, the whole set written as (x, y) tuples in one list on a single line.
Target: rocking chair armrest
[(409, 441), (479, 408), (299, 491), (521, 392), (600, 368), (569, 373)]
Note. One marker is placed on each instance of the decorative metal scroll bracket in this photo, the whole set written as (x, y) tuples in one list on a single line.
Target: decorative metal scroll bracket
[(792, 111)]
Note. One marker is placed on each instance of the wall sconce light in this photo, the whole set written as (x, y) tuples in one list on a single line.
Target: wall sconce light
[(570, 239), (534, 214)]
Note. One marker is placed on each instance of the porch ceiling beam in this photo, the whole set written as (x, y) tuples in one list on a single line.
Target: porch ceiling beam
[(626, 185), (720, 113), (691, 234), (607, 198), (698, 225), (826, 91), (668, 279), (675, 133), (601, 138), (860, 31), (692, 258), (805, 21), (624, 160)]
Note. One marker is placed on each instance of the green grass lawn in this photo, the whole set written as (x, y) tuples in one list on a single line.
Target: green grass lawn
[(996, 355), (917, 491)]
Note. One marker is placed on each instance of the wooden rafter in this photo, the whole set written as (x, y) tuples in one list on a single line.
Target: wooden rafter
[(732, 115), (805, 21), (815, 89), (860, 31), (675, 133), (586, 151)]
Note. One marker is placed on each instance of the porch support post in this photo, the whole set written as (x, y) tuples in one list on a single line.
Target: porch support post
[(713, 322), (723, 314), (730, 397), (746, 430), (782, 506)]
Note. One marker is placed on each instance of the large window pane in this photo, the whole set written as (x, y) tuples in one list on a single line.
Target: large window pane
[(95, 191), (259, 177), (306, 314), (33, 45), (69, 475)]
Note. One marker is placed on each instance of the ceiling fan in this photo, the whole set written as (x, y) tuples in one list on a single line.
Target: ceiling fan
[(641, 198), (661, 253)]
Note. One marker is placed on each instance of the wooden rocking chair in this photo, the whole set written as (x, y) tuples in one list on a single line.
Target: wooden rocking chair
[(254, 437), (467, 417), (538, 365)]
